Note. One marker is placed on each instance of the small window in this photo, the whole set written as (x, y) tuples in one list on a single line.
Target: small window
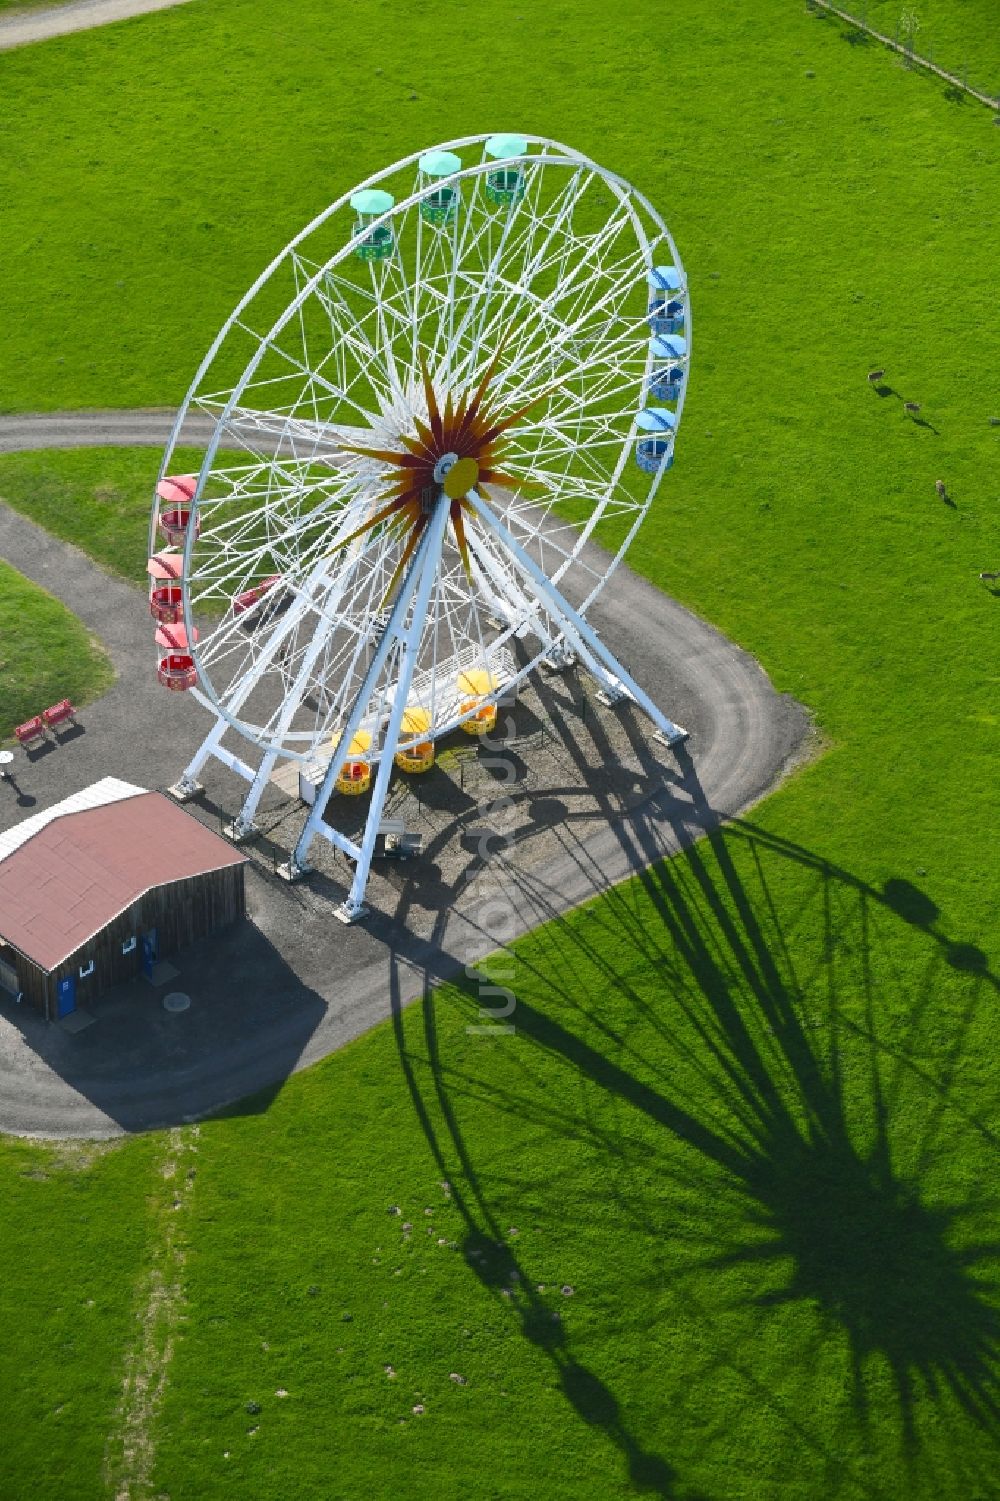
[(86, 969), (128, 947)]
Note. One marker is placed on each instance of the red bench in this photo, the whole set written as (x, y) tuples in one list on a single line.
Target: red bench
[(58, 714), (31, 729)]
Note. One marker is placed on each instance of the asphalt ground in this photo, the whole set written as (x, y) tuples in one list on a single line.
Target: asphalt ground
[(293, 984)]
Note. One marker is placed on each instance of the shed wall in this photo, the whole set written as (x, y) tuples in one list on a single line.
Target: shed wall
[(32, 981), (181, 912)]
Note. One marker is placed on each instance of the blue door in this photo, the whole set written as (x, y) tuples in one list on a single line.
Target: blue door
[(148, 952), (66, 995)]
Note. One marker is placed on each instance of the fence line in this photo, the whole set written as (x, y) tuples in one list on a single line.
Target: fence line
[(905, 51)]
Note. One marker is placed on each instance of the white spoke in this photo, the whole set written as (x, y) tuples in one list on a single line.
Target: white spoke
[(527, 273)]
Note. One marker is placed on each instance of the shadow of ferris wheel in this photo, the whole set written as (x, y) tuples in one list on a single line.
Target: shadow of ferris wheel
[(810, 1055)]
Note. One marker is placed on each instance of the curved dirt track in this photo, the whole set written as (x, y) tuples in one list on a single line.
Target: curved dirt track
[(294, 984), (21, 28), (147, 428)]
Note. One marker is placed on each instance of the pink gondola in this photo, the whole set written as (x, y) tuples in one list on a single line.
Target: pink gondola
[(165, 565), (177, 672), (166, 603), (177, 488), (174, 523), (250, 597), (173, 638)]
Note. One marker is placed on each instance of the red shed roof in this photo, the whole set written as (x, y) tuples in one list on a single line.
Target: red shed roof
[(82, 869)]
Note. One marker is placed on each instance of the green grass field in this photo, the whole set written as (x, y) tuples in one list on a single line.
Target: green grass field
[(19, 5), (959, 35), (45, 653), (96, 498), (749, 1115), (704, 1234), (76, 1232)]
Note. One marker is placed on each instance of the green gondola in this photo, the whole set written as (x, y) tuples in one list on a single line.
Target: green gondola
[(505, 185), (380, 242), (441, 206)]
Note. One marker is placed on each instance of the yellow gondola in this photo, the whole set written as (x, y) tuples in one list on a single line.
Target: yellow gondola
[(355, 776), (420, 757), (474, 686)]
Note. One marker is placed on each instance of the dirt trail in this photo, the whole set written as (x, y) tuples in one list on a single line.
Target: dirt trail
[(26, 26), (130, 1452)]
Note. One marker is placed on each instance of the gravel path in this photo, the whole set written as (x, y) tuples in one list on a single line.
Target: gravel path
[(22, 27), (294, 984), (148, 428)]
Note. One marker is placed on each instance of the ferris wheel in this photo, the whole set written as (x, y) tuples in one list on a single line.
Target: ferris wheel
[(426, 412)]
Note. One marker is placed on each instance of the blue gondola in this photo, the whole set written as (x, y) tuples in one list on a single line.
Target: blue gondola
[(666, 380), (441, 206), (666, 312), (658, 449), (505, 185), (379, 242)]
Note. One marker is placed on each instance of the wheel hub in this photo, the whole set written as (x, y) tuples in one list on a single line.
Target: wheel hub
[(446, 462)]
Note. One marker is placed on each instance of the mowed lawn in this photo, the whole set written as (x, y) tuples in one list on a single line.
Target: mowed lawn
[(45, 653), (959, 35), (20, 5), (720, 1218), (98, 499), (77, 1253)]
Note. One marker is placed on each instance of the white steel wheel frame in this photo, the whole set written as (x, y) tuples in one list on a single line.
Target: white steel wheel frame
[(561, 290)]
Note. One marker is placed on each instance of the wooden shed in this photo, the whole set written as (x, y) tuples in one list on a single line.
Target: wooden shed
[(104, 885)]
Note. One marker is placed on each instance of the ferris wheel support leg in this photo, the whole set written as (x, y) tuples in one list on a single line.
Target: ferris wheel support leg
[(509, 599), (416, 587), (354, 906), (243, 825), (612, 689), (187, 785), (560, 657), (579, 634)]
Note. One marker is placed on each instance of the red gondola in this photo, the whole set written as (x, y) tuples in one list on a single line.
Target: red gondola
[(174, 637), (165, 565), (177, 488), (250, 597), (174, 523), (165, 604), (177, 672)]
